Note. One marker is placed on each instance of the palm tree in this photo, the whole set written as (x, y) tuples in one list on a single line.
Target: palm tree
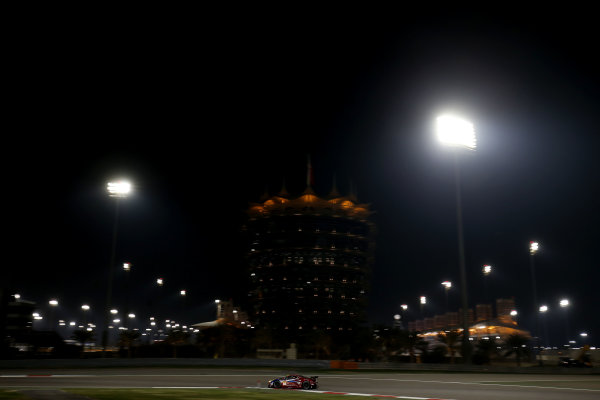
[(452, 341), (410, 341), (176, 338), (516, 344), (82, 336), (127, 338)]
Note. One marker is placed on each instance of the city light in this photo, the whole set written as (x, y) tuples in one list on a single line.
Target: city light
[(127, 266), (423, 300), (454, 131), (543, 309), (53, 302), (114, 311), (447, 284), (514, 313), (404, 307), (564, 303), (118, 189), (583, 334), (159, 281), (487, 269), (182, 292), (85, 307)]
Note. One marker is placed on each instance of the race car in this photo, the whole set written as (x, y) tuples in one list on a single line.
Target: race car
[(294, 382)]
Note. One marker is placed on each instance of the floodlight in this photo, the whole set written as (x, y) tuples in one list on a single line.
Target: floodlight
[(457, 132)]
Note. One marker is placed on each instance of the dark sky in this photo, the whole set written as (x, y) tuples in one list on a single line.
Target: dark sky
[(203, 111)]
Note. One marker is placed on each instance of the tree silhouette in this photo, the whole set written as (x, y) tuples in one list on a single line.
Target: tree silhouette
[(452, 340), (127, 339), (517, 344), (82, 336)]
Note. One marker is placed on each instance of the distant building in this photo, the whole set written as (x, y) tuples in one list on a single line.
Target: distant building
[(485, 325), (309, 261)]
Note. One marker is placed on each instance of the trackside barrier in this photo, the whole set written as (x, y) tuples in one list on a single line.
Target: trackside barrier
[(338, 364)]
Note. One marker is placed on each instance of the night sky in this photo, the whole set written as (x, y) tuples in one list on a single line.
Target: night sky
[(204, 112)]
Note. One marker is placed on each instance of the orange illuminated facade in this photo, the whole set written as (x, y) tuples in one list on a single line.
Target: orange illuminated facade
[(309, 261)]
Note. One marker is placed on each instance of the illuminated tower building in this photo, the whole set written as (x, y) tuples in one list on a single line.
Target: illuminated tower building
[(309, 262)]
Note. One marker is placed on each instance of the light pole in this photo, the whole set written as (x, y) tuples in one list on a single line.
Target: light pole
[(459, 134), (447, 285), (533, 249), (53, 304), (543, 311), (118, 190), (487, 270), (422, 302), (564, 304)]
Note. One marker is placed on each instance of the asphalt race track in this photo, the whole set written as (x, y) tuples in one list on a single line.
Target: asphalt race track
[(457, 386)]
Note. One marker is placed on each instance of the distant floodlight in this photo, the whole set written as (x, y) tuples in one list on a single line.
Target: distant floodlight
[(513, 313), (454, 131), (118, 189), (114, 311), (583, 334), (182, 292), (533, 247), (487, 269), (127, 266), (447, 284), (543, 309), (564, 303), (53, 302), (159, 281), (85, 307), (423, 299), (404, 307)]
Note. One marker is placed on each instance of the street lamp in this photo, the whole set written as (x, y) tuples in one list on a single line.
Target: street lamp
[(460, 134), (118, 190)]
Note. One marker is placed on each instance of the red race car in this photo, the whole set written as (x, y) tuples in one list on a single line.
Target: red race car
[(294, 382)]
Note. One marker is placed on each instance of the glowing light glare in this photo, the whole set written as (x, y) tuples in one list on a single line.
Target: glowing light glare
[(564, 303), (487, 269), (543, 309), (118, 189), (85, 307), (397, 317), (131, 315), (514, 313), (423, 300), (454, 131), (114, 311), (182, 292), (53, 302), (447, 284), (533, 247), (159, 281), (404, 307), (127, 266), (583, 334)]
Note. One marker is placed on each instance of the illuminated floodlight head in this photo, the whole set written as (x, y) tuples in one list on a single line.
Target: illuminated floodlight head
[(456, 132), (583, 334), (543, 309), (404, 307), (514, 313), (397, 317), (159, 281), (447, 284), (564, 303), (53, 302), (533, 247), (423, 300), (487, 269), (127, 266), (118, 189), (114, 311), (85, 307), (182, 292)]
